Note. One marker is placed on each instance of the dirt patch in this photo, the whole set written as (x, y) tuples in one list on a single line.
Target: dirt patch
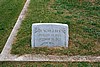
[(49, 5), (92, 1)]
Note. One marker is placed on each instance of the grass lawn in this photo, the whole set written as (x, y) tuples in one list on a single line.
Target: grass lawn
[(82, 17), (9, 12), (48, 64)]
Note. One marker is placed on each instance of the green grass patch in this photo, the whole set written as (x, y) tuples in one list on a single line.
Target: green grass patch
[(48, 64), (9, 12), (83, 19)]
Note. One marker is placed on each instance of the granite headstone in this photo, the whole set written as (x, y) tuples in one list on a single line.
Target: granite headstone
[(50, 35)]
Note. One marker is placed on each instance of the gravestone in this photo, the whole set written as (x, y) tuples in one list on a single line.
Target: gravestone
[(50, 35)]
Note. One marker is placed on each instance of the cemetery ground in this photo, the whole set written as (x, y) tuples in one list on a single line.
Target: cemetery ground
[(82, 17), (83, 20), (9, 12), (48, 64)]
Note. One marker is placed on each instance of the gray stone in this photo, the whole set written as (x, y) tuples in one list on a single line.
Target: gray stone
[(50, 35)]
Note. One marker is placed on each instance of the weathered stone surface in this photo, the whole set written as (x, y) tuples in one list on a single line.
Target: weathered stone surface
[(50, 35)]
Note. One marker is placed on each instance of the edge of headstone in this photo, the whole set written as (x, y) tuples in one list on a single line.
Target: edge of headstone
[(59, 24)]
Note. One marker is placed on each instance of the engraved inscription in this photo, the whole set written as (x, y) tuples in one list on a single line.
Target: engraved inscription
[(49, 35)]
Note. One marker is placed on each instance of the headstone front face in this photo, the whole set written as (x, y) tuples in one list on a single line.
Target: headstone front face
[(50, 35)]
